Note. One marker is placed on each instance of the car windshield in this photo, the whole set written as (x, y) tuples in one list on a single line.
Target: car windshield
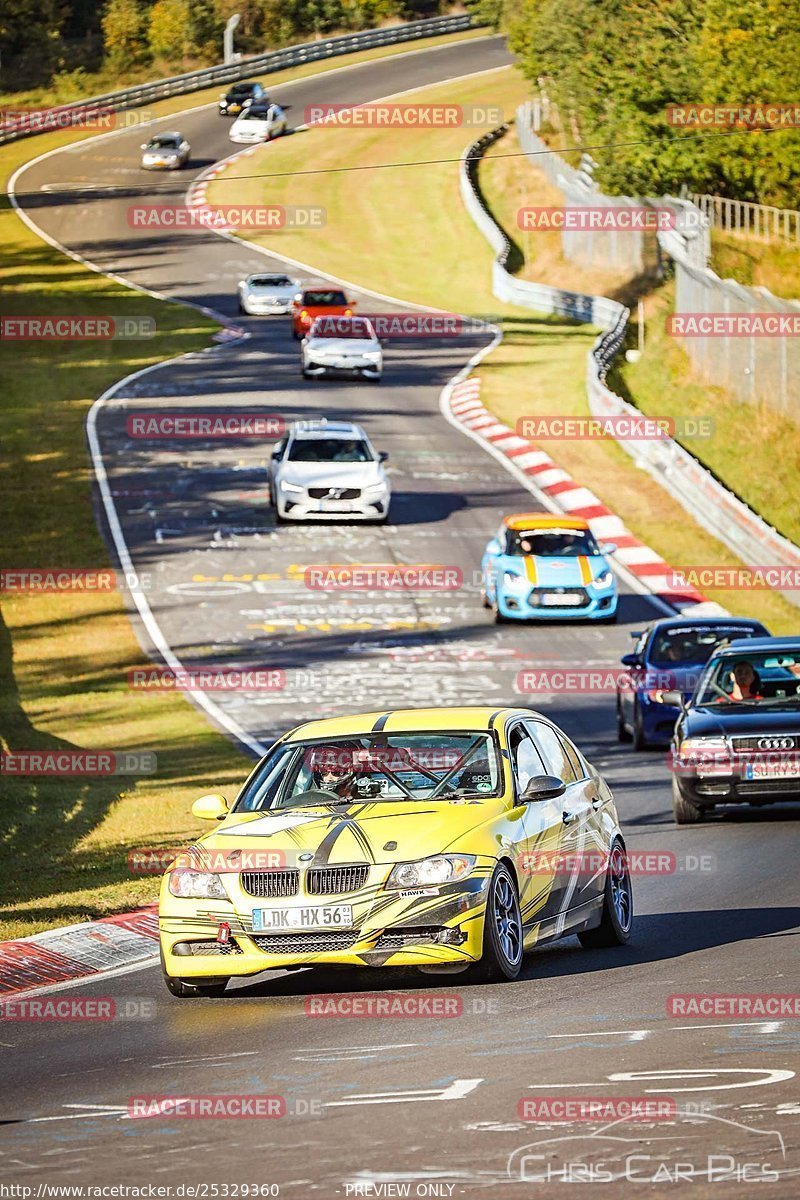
[(256, 112), (765, 678), (690, 644), (324, 299), (340, 327), (375, 768), (329, 450), (243, 89), (551, 543), (163, 141), (270, 281)]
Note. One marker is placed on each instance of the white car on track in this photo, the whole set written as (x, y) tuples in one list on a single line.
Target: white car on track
[(165, 152), (342, 345), (258, 123), (323, 470), (260, 295)]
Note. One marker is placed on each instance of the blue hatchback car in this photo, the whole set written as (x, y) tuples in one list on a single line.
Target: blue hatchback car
[(669, 656), (545, 567)]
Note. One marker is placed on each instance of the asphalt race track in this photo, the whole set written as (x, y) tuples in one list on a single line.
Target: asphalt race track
[(431, 1103)]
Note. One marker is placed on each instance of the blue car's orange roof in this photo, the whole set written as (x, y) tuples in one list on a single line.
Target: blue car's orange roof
[(543, 521)]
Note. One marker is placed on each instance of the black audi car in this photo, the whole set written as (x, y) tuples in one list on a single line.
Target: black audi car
[(239, 97), (737, 741)]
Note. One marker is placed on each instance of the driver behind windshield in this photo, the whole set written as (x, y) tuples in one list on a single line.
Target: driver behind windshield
[(745, 683)]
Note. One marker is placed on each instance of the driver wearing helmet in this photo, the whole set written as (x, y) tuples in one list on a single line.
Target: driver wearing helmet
[(339, 769)]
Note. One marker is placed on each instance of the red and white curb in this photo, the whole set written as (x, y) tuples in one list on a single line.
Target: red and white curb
[(648, 568), (78, 952)]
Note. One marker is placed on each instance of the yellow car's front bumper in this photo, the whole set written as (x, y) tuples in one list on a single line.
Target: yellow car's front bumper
[(389, 930)]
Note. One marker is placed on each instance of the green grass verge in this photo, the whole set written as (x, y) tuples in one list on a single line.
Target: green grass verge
[(757, 263), (415, 241)]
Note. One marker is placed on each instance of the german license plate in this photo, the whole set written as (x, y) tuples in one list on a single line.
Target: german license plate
[(312, 916), (565, 600), (772, 770)]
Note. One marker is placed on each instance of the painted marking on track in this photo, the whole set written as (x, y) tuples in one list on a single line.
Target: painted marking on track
[(769, 1076), (641, 1034), (457, 1090)]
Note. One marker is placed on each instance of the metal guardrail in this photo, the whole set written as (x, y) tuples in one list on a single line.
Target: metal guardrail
[(260, 64), (591, 310)]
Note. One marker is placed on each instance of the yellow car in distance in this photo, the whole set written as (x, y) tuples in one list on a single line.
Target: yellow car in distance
[(449, 839)]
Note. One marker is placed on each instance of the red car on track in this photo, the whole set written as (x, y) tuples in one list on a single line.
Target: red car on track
[(318, 302)]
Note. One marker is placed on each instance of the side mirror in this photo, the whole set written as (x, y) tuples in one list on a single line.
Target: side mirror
[(383, 455), (631, 660), (543, 787), (210, 808), (143, 146), (608, 548), (674, 698), (493, 547)]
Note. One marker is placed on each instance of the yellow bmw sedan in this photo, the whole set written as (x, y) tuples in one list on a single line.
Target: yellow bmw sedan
[(451, 839)]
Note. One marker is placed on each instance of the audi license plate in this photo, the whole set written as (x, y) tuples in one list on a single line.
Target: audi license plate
[(312, 916), (772, 770), (565, 600)]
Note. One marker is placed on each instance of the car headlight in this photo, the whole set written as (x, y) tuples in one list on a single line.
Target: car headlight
[(513, 578), (289, 487), (693, 745), (372, 355), (197, 885), (376, 487), (705, 756), (605, 580), (442, 868)]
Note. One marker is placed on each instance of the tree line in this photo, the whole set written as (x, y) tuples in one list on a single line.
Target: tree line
[(42, 39), (613, 67)]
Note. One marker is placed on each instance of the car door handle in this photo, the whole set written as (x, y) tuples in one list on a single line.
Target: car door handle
[(568, 818), (596, 802)]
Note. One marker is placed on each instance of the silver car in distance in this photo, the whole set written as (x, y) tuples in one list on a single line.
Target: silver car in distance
[(328, 470), (342, 345), (165, 152), (260, 295)]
